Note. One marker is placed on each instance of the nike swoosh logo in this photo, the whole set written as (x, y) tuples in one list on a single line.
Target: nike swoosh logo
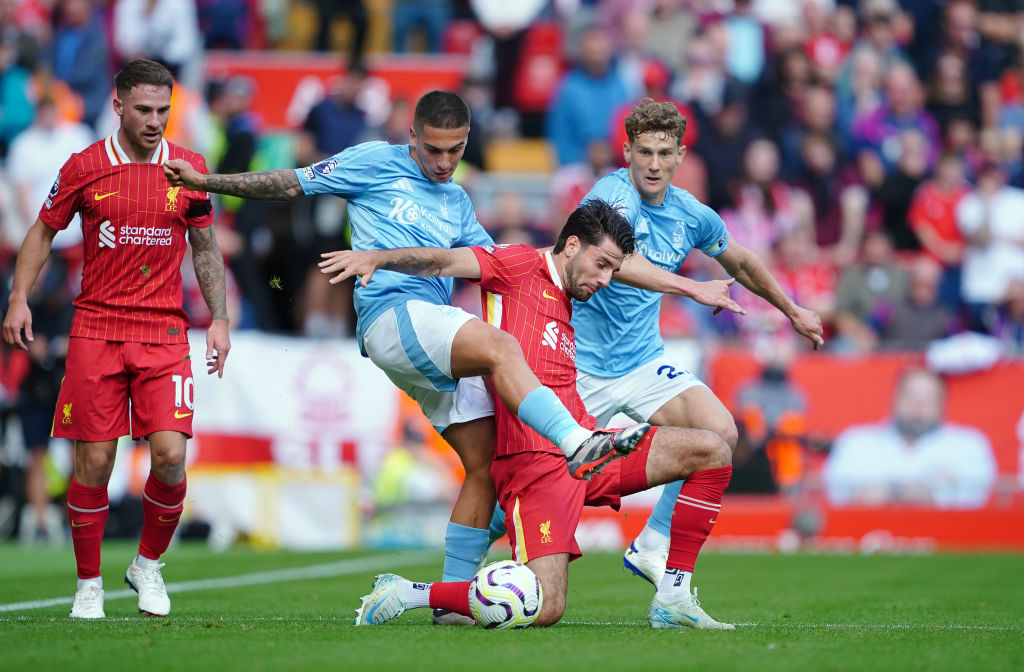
[(695, 620), (712, 521), (179, 414), (99, 197), (548, 296), (74, 524), (167, 520)]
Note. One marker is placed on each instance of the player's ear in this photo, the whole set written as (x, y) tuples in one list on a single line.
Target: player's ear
[(682, 153), (625, 151), (118, 106), (412, 136)]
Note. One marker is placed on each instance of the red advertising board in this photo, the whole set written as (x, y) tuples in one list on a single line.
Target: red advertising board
[(289, 83)]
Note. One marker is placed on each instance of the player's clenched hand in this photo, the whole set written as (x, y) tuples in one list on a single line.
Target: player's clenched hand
[(18, 317), (716, 293), (808, 324), (218, 343), (180, 173), (348, 263)]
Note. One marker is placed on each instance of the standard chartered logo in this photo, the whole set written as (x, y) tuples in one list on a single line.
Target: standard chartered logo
[(134, 235), (107, 235), (550, 338)]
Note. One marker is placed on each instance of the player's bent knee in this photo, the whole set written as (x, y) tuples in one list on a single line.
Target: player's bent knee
[(721, 453), (503, 349), (552, 611), (730, 434)]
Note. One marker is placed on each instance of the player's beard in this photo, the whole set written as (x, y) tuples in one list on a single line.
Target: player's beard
[(573, 287)]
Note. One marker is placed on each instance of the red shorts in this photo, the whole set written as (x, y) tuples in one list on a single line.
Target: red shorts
[(543, 503), (103, 376)]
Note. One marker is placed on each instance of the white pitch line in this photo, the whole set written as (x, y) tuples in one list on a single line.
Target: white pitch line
[(339, 568), (830, 626)]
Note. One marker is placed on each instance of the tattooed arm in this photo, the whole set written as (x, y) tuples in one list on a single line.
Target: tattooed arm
[(264, 185), (209, 265), (458, 262)]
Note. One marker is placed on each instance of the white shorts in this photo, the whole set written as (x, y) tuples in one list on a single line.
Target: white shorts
[(412, 344), (638, 394)]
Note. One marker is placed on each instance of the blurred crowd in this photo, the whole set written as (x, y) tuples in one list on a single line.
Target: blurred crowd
[(872, 151)]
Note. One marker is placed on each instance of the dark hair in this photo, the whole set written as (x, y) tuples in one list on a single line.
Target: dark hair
[(141, 71), (441, 109), (594, 220), (651, 117)]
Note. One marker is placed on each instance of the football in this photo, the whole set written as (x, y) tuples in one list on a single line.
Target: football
[(505, 594)]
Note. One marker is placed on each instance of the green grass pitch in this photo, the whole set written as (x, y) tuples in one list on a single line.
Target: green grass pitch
[(255, 610)]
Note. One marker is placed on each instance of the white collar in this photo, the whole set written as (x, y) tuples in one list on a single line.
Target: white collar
[(553, 270), (118, 156)]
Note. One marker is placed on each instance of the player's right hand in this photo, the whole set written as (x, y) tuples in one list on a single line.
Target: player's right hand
[(181, 173), (18, 317), (347, 263)]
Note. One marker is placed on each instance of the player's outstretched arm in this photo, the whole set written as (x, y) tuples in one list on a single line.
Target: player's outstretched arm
[(637, 271), (459, 262), (263, 185), (31, 257), (209, 265), (751, 272)]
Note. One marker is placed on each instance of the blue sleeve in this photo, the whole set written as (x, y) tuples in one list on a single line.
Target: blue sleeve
[(346, 174), (714, 237), (473, 233)]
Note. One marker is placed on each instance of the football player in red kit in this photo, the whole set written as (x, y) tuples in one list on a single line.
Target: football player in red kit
[(128, 340)]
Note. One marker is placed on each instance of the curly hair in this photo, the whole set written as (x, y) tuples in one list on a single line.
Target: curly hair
[(651, 117)]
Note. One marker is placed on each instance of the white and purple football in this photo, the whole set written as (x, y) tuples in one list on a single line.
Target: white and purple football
[(505, 594)]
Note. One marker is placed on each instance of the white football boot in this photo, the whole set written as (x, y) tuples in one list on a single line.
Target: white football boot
[(647, 564), (88, 602), (685, 612), (384, 602), (149, 584)]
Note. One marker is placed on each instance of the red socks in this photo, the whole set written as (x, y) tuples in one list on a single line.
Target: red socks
[(88, 509), (161, 509), (694, 515), (453, 596)]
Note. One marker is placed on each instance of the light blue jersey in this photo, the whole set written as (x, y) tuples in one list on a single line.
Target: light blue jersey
[(617, 329), (391, 204)]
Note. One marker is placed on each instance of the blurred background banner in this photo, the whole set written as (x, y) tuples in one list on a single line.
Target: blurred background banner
[(281, 449)]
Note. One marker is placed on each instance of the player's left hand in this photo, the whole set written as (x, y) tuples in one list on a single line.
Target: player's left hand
[(808, 324), (347, 263), (218, 343), (716, 293)]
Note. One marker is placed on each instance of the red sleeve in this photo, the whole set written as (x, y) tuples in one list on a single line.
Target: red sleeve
[(505, 266), (200, 207), (64, 200), (917, 214)]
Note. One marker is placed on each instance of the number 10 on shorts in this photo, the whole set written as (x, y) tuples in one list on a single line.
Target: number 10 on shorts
[(184, 390)]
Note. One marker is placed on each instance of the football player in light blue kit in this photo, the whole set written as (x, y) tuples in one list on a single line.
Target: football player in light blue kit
[(403, 196), (619, 350)]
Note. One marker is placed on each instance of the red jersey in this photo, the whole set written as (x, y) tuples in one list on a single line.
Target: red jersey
[(936, 209), (523, 296), (133, 225)]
